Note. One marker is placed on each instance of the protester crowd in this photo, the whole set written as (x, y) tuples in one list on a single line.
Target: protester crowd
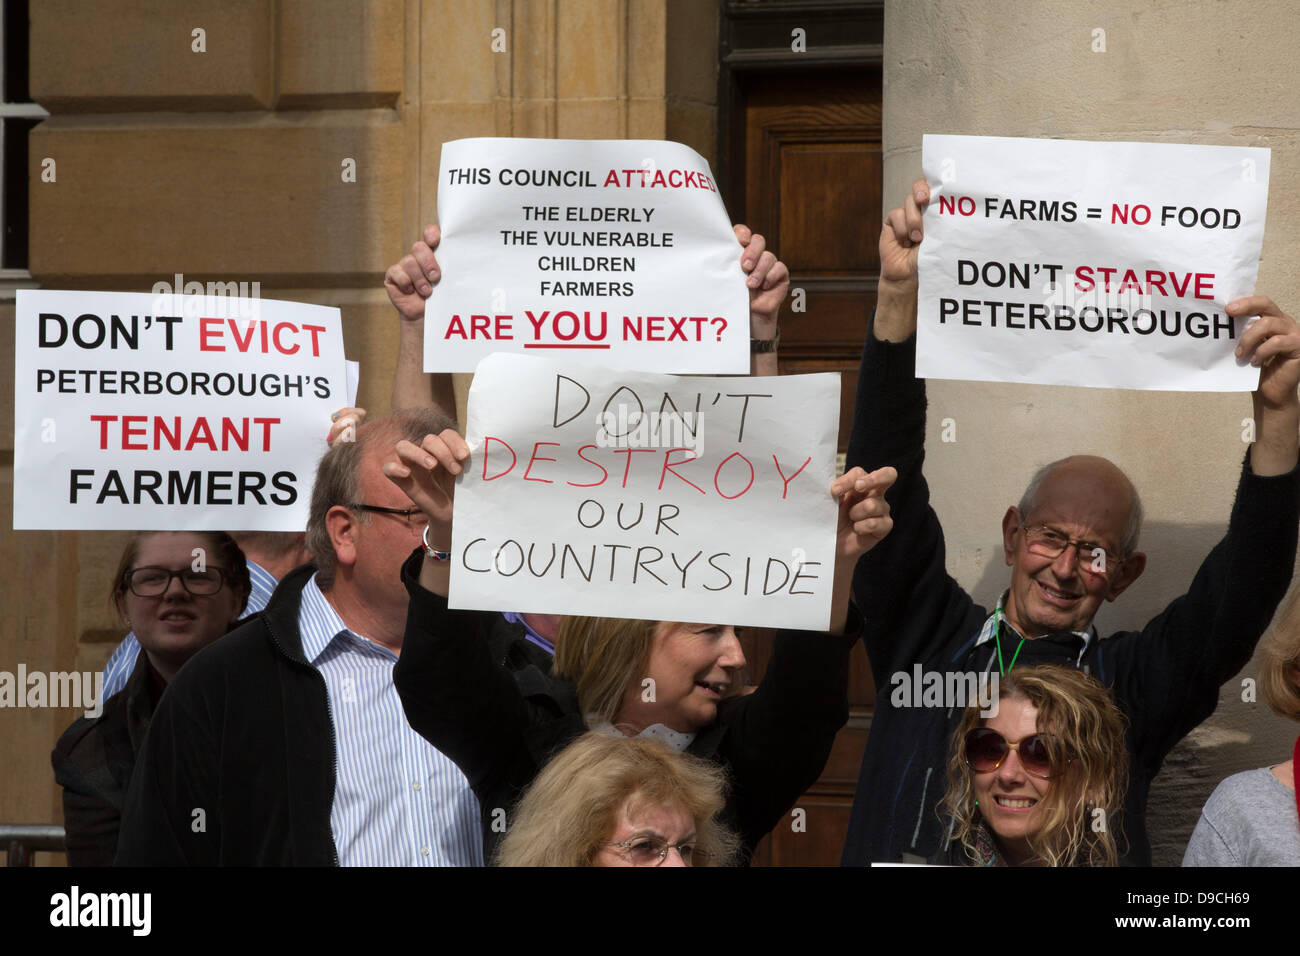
[(352, 718)]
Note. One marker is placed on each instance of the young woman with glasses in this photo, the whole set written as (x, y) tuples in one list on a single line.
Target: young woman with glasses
[(179, 591), (1041, 781)]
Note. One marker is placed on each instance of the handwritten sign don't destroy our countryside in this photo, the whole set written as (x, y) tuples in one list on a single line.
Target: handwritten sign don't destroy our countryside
[(636, 495), (1100, 264), (168, 412), (613, 252)]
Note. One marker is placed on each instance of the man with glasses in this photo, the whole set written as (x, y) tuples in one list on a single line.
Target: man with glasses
[(1071, 543), (286, 743)]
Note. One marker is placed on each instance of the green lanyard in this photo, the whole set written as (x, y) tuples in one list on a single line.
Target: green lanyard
[(997, 637)]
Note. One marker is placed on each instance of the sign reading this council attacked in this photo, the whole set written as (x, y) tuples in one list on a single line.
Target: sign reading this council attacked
[(167, 412), (637, 495), (613, 252), (1058, 262)]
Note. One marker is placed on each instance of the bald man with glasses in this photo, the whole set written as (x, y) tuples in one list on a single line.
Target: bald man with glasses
[(1071, 543)]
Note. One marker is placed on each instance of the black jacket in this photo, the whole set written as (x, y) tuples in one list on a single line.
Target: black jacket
[(502, 727), (93, 761), (1165, 678), (238, 768)]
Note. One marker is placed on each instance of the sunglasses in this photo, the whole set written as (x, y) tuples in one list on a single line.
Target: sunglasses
[(986, 749)]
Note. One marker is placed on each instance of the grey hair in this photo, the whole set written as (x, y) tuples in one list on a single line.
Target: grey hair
[(1132, 530), (338, 477)]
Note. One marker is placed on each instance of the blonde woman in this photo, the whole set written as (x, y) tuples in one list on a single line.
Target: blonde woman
[(1253, 818), (610, 800), (1040, 782)]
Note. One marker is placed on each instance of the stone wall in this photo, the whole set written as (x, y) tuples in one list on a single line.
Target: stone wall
[(227, 165)]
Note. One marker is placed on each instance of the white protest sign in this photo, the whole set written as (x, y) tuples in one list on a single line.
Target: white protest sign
[(614, 252), (637, 495), (1057, 262), (170, 412)]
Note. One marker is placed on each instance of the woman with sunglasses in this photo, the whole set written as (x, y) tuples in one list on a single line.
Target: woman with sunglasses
[(500, 726), (1253, 818), (1040, 782), (179, 591), (610, 800)]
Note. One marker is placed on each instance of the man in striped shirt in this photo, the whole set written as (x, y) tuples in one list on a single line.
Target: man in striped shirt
[(288, 743)]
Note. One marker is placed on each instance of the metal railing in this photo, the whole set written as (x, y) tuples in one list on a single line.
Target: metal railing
[(24, 840)]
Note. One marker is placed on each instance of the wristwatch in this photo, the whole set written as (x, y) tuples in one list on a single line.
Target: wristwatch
[(760, 346)]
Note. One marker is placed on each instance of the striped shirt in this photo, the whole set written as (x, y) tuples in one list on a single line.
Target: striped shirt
[(398, 801), (122, 661)]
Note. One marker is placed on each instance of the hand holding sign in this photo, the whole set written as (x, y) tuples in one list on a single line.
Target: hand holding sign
[(768, 282), (1106, 265), (344, 424), (427, 474), (1273, 346), (410, 281), (864, 512), (863, 522), (900, 237), (901, 234)]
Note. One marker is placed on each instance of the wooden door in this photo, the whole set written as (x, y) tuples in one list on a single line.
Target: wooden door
[(804, 164)]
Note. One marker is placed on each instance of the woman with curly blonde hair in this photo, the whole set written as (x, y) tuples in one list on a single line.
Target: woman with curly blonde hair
[(1041, 781), (609, 800)]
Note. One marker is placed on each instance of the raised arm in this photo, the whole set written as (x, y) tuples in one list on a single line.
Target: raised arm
[(454, 693), (408, 284), (1273, 345), (1182, 657), (768, 281), (900, 241), (901, 586)]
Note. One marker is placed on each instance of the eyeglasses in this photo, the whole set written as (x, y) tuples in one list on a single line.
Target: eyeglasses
[(415, 518), (1050, 543), (152, 582), (986, 749), (652, 851)]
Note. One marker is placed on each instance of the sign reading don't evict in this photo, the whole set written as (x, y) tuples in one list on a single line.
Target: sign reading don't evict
[(1058, 262), (636, 495), (614, 252), (170, 412)]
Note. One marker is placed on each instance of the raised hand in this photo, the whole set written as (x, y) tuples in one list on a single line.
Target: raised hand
[(900, 239), (864, 512), (1272, 344), (901, 234), (344, 423), (426, 473), (768, 281), (410, 281)]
